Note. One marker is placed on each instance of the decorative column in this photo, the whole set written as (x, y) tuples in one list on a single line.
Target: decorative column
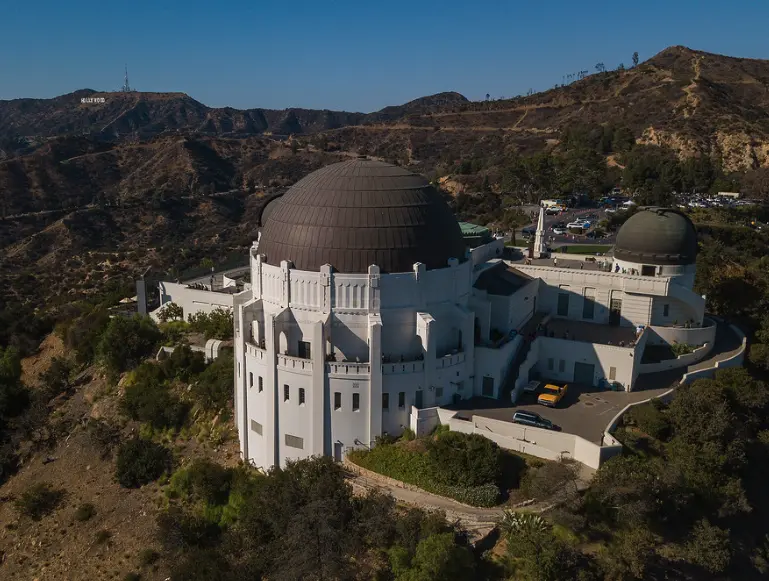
[(271, 432), (375, 376), (318, 392)]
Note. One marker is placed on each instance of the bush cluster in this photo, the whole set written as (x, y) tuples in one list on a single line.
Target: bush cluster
[(140, 462), (125, 342), (148, 398)]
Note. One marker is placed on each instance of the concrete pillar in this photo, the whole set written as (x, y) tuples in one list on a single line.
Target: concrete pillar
[(375, 378), (373, 289), (318, 392), (241, 387), (326, 283), (285, 271), (425, 326), (271, 432)]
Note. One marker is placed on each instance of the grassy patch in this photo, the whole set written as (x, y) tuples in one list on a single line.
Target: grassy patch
[(435, 464), (584, 248)]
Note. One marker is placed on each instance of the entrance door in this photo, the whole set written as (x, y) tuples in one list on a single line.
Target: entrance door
[(338, 451), (418, 400), (487, 387), (584, 373), (615, 312)]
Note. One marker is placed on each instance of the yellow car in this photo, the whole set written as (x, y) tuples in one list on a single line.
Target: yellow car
[(551, 395)]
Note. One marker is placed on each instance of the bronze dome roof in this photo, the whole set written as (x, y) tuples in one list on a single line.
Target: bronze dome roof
[(361, 212), (657, 236)]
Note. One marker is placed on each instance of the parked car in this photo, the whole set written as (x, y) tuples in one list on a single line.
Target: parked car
[(551, 395), (560, 231), (533, 419)]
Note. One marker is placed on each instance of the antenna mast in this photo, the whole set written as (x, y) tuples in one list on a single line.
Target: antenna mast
[(126, 86)]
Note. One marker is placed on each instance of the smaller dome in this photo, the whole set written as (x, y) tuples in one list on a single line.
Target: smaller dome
[(660, 236)]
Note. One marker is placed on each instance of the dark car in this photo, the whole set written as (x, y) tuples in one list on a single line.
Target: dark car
[(534, 420)]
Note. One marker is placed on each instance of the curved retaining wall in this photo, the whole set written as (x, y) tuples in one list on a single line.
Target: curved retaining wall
[(733, 361), (682, 361), (690, 336)]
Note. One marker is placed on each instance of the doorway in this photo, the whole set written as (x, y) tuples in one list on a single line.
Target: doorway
[(584, 373), (615, 312)]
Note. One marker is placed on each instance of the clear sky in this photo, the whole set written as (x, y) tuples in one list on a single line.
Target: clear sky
[(355, 56)]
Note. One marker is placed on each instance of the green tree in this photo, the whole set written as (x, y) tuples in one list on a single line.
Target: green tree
[(218, 324), (56, 378), (171, 312), (438, 558), (464, 459), (708, 547), (125, 342), (213, 389), (147, 398), (635, 59)]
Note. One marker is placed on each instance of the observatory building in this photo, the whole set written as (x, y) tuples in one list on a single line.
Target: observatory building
[(365, 305)]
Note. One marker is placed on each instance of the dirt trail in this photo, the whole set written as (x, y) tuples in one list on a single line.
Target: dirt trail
[(692, 101)]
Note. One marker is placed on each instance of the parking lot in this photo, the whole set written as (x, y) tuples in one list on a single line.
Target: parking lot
[(584, 412)]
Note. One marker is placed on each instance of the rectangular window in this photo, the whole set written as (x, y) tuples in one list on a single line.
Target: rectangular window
[(612, 373), (401, 399), (438, 392), (647, 270), (294, 442), (355, 402), (337, 400), (304, 349), (301, 396), (665, 310), (418, 399), (563, 305), (238, 368), (250, 379), (561, 366), (261, 384), (550, 363), (256, 427), (385, 401), (286, 393), (487, 386)]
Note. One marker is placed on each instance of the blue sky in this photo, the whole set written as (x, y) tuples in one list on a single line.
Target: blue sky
[(356, 56)]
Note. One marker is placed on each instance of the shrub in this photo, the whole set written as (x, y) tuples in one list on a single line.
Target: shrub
[(14, 397), (105, 436), (125, 342), (148, 399), (84, 512), (464, 459), (84, 333), (103, 536), (203, 479), (184, 363), (650, 419), (39, 500), (132, 577), (140, 462), (148, 557), (213, 389)]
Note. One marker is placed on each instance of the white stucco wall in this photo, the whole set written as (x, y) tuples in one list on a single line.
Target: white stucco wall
[(191, 300), (603, 357)]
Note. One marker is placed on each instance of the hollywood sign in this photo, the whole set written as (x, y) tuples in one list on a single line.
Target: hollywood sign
[(93, 100)]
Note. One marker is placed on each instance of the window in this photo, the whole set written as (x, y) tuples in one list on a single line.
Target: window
[(250, 379), (612, 373), (385, 401), (294, 442), (261, 384), (665, 310), (256, 427), (550, 363), (418, 399), (301, 396), (561, 366), (304, 349), (337, 400), (286, 393), (238, 368), (438, 392), (647, 270), (401, 399), (355, 402), (563, 304)]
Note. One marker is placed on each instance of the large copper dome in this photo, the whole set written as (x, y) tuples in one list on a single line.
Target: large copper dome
[(361, 212), (657, 236)]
